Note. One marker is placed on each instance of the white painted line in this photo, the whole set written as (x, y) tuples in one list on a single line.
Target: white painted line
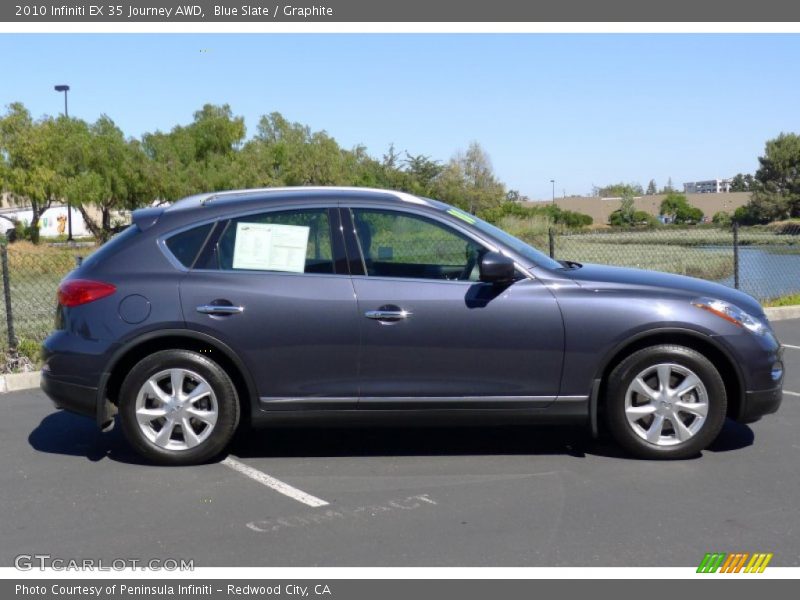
[(790, 346), (791, 393), (271, 482)]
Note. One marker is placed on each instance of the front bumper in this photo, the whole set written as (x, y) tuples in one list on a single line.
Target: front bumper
[(757, 404), (75, 398)]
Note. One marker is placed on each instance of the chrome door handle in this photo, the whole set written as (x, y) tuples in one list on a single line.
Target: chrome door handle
[(387, 315), (219, 309)]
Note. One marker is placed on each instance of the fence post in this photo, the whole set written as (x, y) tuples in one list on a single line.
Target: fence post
[(12, 337), (551, 235), (736, 254)]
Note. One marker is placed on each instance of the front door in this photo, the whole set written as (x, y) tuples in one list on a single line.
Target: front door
[(434, 335)]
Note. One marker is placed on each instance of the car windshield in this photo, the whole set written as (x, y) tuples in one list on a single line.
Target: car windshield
[(516, 244)]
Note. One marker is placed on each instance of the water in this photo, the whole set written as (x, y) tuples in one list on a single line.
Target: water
[(766, 272)]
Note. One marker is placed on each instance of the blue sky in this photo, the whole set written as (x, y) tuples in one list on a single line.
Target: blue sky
[(582, 109)]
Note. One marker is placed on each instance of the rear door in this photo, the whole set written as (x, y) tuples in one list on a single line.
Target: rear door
[(432, 334), (274, 287)]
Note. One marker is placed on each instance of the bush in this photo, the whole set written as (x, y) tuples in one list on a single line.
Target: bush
[(721, 219)]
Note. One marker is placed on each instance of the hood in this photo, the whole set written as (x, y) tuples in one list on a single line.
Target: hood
[(608, 278)]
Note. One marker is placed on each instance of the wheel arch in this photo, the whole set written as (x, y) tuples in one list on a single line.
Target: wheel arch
[(183, 339), (706, 345)]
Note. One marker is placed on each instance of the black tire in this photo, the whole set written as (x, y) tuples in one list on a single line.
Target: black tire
[(626, 434), (223, 392)]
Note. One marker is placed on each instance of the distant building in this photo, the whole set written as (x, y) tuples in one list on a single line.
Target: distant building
[(710, 186)]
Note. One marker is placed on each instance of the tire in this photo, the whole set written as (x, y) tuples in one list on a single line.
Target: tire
[(653, 425), (190, 429)]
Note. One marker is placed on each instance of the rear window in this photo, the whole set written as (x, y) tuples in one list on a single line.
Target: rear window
[(186, 245), (111, 247)]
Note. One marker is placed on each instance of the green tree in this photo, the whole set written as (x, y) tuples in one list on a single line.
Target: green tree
[(742, 183), (468, 181), (651, 188), (620, 190), (679, 210), (779, 176)]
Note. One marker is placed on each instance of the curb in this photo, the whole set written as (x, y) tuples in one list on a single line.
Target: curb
[(779, 313), (13, 382)]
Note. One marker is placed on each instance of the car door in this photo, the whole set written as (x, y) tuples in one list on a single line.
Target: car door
[(432, 334), (274, 287)]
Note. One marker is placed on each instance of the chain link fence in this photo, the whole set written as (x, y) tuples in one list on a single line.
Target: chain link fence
[(762, 261)]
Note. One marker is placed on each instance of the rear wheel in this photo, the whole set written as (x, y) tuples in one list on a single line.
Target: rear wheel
[(178, 407), (665, 402)]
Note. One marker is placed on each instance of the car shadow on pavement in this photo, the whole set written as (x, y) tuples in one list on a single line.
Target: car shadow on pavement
[(73, 435)]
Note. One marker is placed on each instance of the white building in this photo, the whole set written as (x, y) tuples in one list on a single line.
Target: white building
[(710, 186), (52, 222)]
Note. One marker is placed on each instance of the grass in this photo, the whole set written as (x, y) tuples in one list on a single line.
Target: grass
[(34, 274), (790, 300)]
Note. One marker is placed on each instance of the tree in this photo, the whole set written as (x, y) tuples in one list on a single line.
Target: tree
[(779, 176), (679, 210), (742, 183), (651, 188), (668, 189), (620, 190), (468, 181), (624, 216)]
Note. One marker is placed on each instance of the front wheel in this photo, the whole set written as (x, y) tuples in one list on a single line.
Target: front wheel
[(178, 407), (665, 402)]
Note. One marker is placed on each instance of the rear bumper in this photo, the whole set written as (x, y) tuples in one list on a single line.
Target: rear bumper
[(75, 398), (758, 404)]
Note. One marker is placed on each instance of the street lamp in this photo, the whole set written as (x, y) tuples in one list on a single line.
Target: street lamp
[(553, 181), (65, 89)]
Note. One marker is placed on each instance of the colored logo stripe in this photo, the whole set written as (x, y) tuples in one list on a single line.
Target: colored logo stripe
[(734, 562)]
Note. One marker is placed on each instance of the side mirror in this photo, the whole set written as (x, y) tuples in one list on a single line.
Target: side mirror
[(496, 268)]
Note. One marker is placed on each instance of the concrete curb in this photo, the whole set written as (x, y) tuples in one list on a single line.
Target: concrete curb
[(26, 381), (13, 382), (779, 313)]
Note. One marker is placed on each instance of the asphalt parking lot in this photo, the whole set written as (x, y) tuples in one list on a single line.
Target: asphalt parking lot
[(490, 496)]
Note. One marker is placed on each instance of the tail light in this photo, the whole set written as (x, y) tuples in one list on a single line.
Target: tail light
[(75, 292)]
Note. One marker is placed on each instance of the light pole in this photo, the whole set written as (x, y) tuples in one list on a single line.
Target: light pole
[(65, 89), (553, 181)]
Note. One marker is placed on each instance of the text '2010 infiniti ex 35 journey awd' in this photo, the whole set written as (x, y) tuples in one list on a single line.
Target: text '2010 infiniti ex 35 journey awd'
[(273, 305)]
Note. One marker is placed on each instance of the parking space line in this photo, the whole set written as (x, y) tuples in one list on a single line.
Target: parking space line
[(271, 482), (791, 393), (790, 346)]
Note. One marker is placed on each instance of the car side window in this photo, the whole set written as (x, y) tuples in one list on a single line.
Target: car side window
[(398, 244), (296, 241), (186, 244)]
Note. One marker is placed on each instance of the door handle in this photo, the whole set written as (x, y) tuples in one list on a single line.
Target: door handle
[(387, 315), (219, 309)]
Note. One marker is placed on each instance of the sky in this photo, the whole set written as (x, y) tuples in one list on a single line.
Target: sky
[(583, 109)]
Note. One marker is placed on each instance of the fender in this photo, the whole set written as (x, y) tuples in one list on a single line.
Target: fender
[(709, 339), (104, 413)]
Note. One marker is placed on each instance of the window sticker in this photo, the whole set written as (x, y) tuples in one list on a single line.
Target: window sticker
[(462, 215), (270, 247)]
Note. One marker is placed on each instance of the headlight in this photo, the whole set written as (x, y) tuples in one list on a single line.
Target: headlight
[(731, 313)]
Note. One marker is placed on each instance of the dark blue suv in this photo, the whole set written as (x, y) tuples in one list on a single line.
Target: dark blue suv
[(266, 305)]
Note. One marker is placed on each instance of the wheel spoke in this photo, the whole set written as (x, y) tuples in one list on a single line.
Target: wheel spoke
[(699, 409), (209, 417), (637, 412), (145, 416), (189, 436), (165, 434), (681, 431), (654, 432), (154, 390), (201, 391), (639, 386), (664, 373), (176, 377), (689, 383)]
